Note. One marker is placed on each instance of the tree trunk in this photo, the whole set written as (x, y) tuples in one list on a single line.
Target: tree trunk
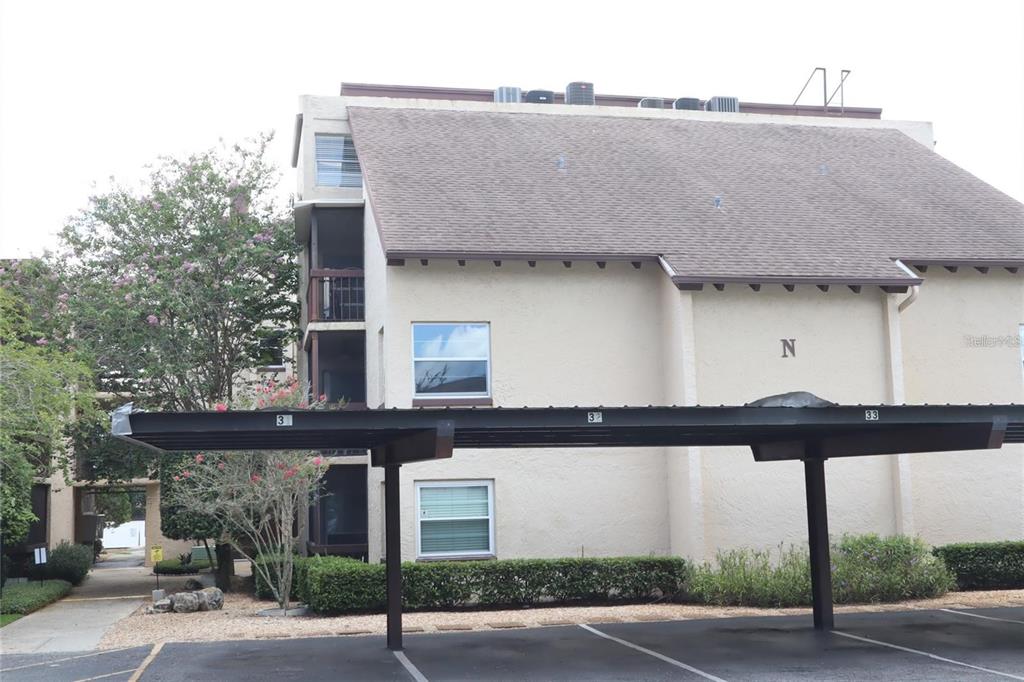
[(225, 566), (211, 556)]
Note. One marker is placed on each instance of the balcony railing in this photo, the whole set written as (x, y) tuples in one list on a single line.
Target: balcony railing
[(336, 295)]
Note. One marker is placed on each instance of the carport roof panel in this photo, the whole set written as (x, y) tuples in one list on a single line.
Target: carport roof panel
[(841, 430)]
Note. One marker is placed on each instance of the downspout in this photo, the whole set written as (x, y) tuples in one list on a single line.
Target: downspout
[(914, 290), (901, 469)]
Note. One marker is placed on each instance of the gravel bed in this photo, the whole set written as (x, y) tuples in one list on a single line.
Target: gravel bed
[(238, 619)]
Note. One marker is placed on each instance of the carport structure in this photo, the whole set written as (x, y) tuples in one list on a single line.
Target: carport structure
[(788, 427)]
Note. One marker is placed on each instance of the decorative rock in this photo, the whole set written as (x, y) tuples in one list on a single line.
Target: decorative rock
[(204, 604), (162, 606), (185, 602), (191, 585), (214, 598)]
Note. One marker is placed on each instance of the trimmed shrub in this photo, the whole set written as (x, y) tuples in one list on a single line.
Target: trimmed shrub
[(263, 590), (69, 562), (175, 567), (869, 568), (28, 597), (336, 585), (865, 568), (985, 565)]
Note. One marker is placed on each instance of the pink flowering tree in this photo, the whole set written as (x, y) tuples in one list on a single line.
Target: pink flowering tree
[(173, 287), (256, 496)]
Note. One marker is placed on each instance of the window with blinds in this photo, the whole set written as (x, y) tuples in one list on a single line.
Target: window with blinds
[(336, 162), (455, 518)]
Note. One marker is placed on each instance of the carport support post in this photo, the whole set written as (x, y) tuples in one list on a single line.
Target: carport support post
[(817, 536), (393, 554)]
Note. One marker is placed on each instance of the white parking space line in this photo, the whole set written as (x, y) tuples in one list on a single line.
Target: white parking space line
[(662, 657), (978, 615), (413, 670), (61, 660), (925, 653), (100, 677)]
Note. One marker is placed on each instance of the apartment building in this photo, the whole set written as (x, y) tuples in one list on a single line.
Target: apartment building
[(497, 248)]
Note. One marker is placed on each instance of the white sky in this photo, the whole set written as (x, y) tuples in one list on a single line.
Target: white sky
[(101, 88)]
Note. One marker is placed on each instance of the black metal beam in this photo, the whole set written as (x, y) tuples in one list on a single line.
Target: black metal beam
[(843, 430), (393, 553), (817, 536)]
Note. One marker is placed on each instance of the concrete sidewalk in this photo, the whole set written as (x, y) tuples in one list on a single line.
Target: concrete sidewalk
[(79, 621)]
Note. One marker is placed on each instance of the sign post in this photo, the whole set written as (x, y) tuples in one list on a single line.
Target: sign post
[(39, 555), (156, 554)]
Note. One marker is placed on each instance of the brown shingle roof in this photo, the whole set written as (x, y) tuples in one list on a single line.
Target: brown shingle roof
[(806, 203)]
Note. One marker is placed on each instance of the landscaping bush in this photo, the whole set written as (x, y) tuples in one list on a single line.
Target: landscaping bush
[(865, 568), (337, 585), (985, 565), (869, 568), (744, 577), (263, 590), (30, 596), (176, 567), (69, 562)]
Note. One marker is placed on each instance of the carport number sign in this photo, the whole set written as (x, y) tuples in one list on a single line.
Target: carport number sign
[(870, 415), (284, 420), (595, 418)]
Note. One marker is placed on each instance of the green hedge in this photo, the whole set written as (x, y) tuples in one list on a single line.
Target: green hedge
[(865, 568), (985, 565), (263, 590), (335, 584), (69, 562), (31, 596), (175, 567)]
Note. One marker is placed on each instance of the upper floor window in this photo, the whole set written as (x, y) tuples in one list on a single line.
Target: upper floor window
[(336, 162), (451, 359)]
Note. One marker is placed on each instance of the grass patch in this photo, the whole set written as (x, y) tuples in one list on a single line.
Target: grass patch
[(6, 618), (23, 598)]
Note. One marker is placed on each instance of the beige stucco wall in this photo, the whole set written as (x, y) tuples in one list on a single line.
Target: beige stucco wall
[(172, 548), (558, 337), (840, 355), (970, 495), (61, 511)]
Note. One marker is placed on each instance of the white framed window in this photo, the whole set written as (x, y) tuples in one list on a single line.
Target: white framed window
[(454, 518), (336, 162), (451, 359)]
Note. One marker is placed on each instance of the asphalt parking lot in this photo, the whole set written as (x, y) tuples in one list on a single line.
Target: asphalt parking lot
[(976, 644)]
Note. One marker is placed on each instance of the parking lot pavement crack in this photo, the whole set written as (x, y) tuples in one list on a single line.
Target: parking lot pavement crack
[(655, 654)]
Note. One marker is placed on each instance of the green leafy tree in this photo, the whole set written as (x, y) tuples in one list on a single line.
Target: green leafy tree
[(40, 392)]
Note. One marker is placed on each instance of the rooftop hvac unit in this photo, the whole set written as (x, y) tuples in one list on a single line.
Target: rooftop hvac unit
[(540, 96), (651, 103), (507, 94), (724, 104), (687, 103), (579, 93)]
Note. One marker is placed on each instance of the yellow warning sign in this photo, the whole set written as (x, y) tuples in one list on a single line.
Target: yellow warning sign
[(156, 553)]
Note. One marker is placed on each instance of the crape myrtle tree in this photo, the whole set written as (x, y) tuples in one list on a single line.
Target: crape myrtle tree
[(39, 395), (255, 496), (172, 287)]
